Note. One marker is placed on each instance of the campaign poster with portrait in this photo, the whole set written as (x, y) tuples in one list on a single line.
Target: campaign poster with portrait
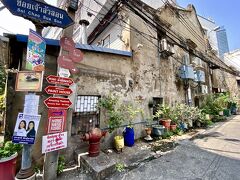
[(36, 48), (26, 128)]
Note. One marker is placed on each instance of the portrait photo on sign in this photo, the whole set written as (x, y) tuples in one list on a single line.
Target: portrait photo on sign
[(25, 129)]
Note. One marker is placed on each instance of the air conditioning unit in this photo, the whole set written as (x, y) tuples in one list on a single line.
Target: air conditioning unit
[(186, 72), (197, 62), (199, 76), (166, 49)]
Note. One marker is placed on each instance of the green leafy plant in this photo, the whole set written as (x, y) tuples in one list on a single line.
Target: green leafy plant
[(2, 79), (164, 111), (112, 111), (9, 148), (131, 112), (167, 135), (120, 167), (61, 164)]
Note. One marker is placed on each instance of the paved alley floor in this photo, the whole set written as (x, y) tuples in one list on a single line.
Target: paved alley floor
[(213, 154)]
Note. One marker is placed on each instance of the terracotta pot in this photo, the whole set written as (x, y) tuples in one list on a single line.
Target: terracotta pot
[(173, 127), (148, 131), (166, 123)]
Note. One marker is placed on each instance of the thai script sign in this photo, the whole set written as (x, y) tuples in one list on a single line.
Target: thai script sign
[(35, 52), (54, 142), (39, 12), (26, 128)]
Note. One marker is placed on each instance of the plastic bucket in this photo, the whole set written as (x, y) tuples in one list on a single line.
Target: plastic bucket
[(8, 167), (119, 142), (158, 130), (129, 136)]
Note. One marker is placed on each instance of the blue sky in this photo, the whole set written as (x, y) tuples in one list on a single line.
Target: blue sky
[(224, 13)]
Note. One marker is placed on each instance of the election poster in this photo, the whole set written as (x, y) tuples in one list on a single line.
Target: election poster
[(26, 128), (36, 48), (54, 142)]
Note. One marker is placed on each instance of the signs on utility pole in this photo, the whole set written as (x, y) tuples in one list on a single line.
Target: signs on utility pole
[(35, 52), (73, 5), (57, 102), (64, 72), (56, 120), (39, 12), (54, 142), (59, 80), (58, 90)]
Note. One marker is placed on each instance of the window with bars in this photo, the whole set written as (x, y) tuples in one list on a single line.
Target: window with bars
[(86, 114)]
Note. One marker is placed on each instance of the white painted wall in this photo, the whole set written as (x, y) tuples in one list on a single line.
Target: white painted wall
[(115, 32)]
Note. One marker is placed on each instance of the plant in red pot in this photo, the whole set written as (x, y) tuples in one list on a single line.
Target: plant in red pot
[(8, 158), (164, 114)]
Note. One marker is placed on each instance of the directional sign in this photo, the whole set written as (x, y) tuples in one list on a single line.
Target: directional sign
[(76, 55), (59, 80), (58, 90), (67, 44), (57, 102), (65, 62), (39, 12)]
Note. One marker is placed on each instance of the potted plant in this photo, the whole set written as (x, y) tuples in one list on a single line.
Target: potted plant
[(113, 114), (164, 113), (130, 113), (148, 129), (8, 158)]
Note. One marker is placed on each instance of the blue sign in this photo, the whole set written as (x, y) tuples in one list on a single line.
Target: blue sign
[(39, 12)]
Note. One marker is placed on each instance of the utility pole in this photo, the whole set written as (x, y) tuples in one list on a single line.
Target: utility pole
[(51, 158)]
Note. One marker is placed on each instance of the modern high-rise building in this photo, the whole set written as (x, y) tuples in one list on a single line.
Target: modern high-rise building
[(216, 35)]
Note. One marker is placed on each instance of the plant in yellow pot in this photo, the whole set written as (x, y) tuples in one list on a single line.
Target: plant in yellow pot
[(112, 111)]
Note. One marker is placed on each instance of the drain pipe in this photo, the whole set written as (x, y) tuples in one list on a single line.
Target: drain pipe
[(84, 23)]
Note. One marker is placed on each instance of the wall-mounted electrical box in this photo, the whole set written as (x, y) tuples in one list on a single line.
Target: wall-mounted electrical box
[(186, 72), (199, 76)]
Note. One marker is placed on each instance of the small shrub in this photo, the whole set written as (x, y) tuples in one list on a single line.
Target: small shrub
[(9, 148), (61, 164), (167, 135), (120, 167)]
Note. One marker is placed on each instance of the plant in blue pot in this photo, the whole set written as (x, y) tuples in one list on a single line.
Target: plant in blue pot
[(130, 113)]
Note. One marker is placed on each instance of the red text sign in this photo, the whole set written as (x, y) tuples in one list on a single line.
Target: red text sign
[(65, 62), (67, 44), (56, 102), (54, 142), (59, 80), (58, 90), (76, 55), (56, 120)]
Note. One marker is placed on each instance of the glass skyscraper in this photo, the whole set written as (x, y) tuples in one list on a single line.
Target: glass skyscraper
[(222, 41)]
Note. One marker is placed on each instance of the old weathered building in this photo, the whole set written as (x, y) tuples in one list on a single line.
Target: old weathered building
[(136, 53)]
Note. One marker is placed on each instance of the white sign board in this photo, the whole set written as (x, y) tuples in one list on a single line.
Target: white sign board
[(54, 142), (31, 104)]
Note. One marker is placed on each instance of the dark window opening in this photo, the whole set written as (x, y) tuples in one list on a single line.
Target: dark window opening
[(86, 114), (157, 101)]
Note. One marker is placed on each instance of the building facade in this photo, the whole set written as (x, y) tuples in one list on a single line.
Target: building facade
[(216, 35)]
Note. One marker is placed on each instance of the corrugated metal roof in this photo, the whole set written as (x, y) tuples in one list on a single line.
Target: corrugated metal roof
[(93, 48)]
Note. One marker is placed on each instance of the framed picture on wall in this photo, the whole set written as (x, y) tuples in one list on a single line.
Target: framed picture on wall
[(29, 81)]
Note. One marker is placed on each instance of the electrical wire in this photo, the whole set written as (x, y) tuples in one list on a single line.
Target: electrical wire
[(207, 61)]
